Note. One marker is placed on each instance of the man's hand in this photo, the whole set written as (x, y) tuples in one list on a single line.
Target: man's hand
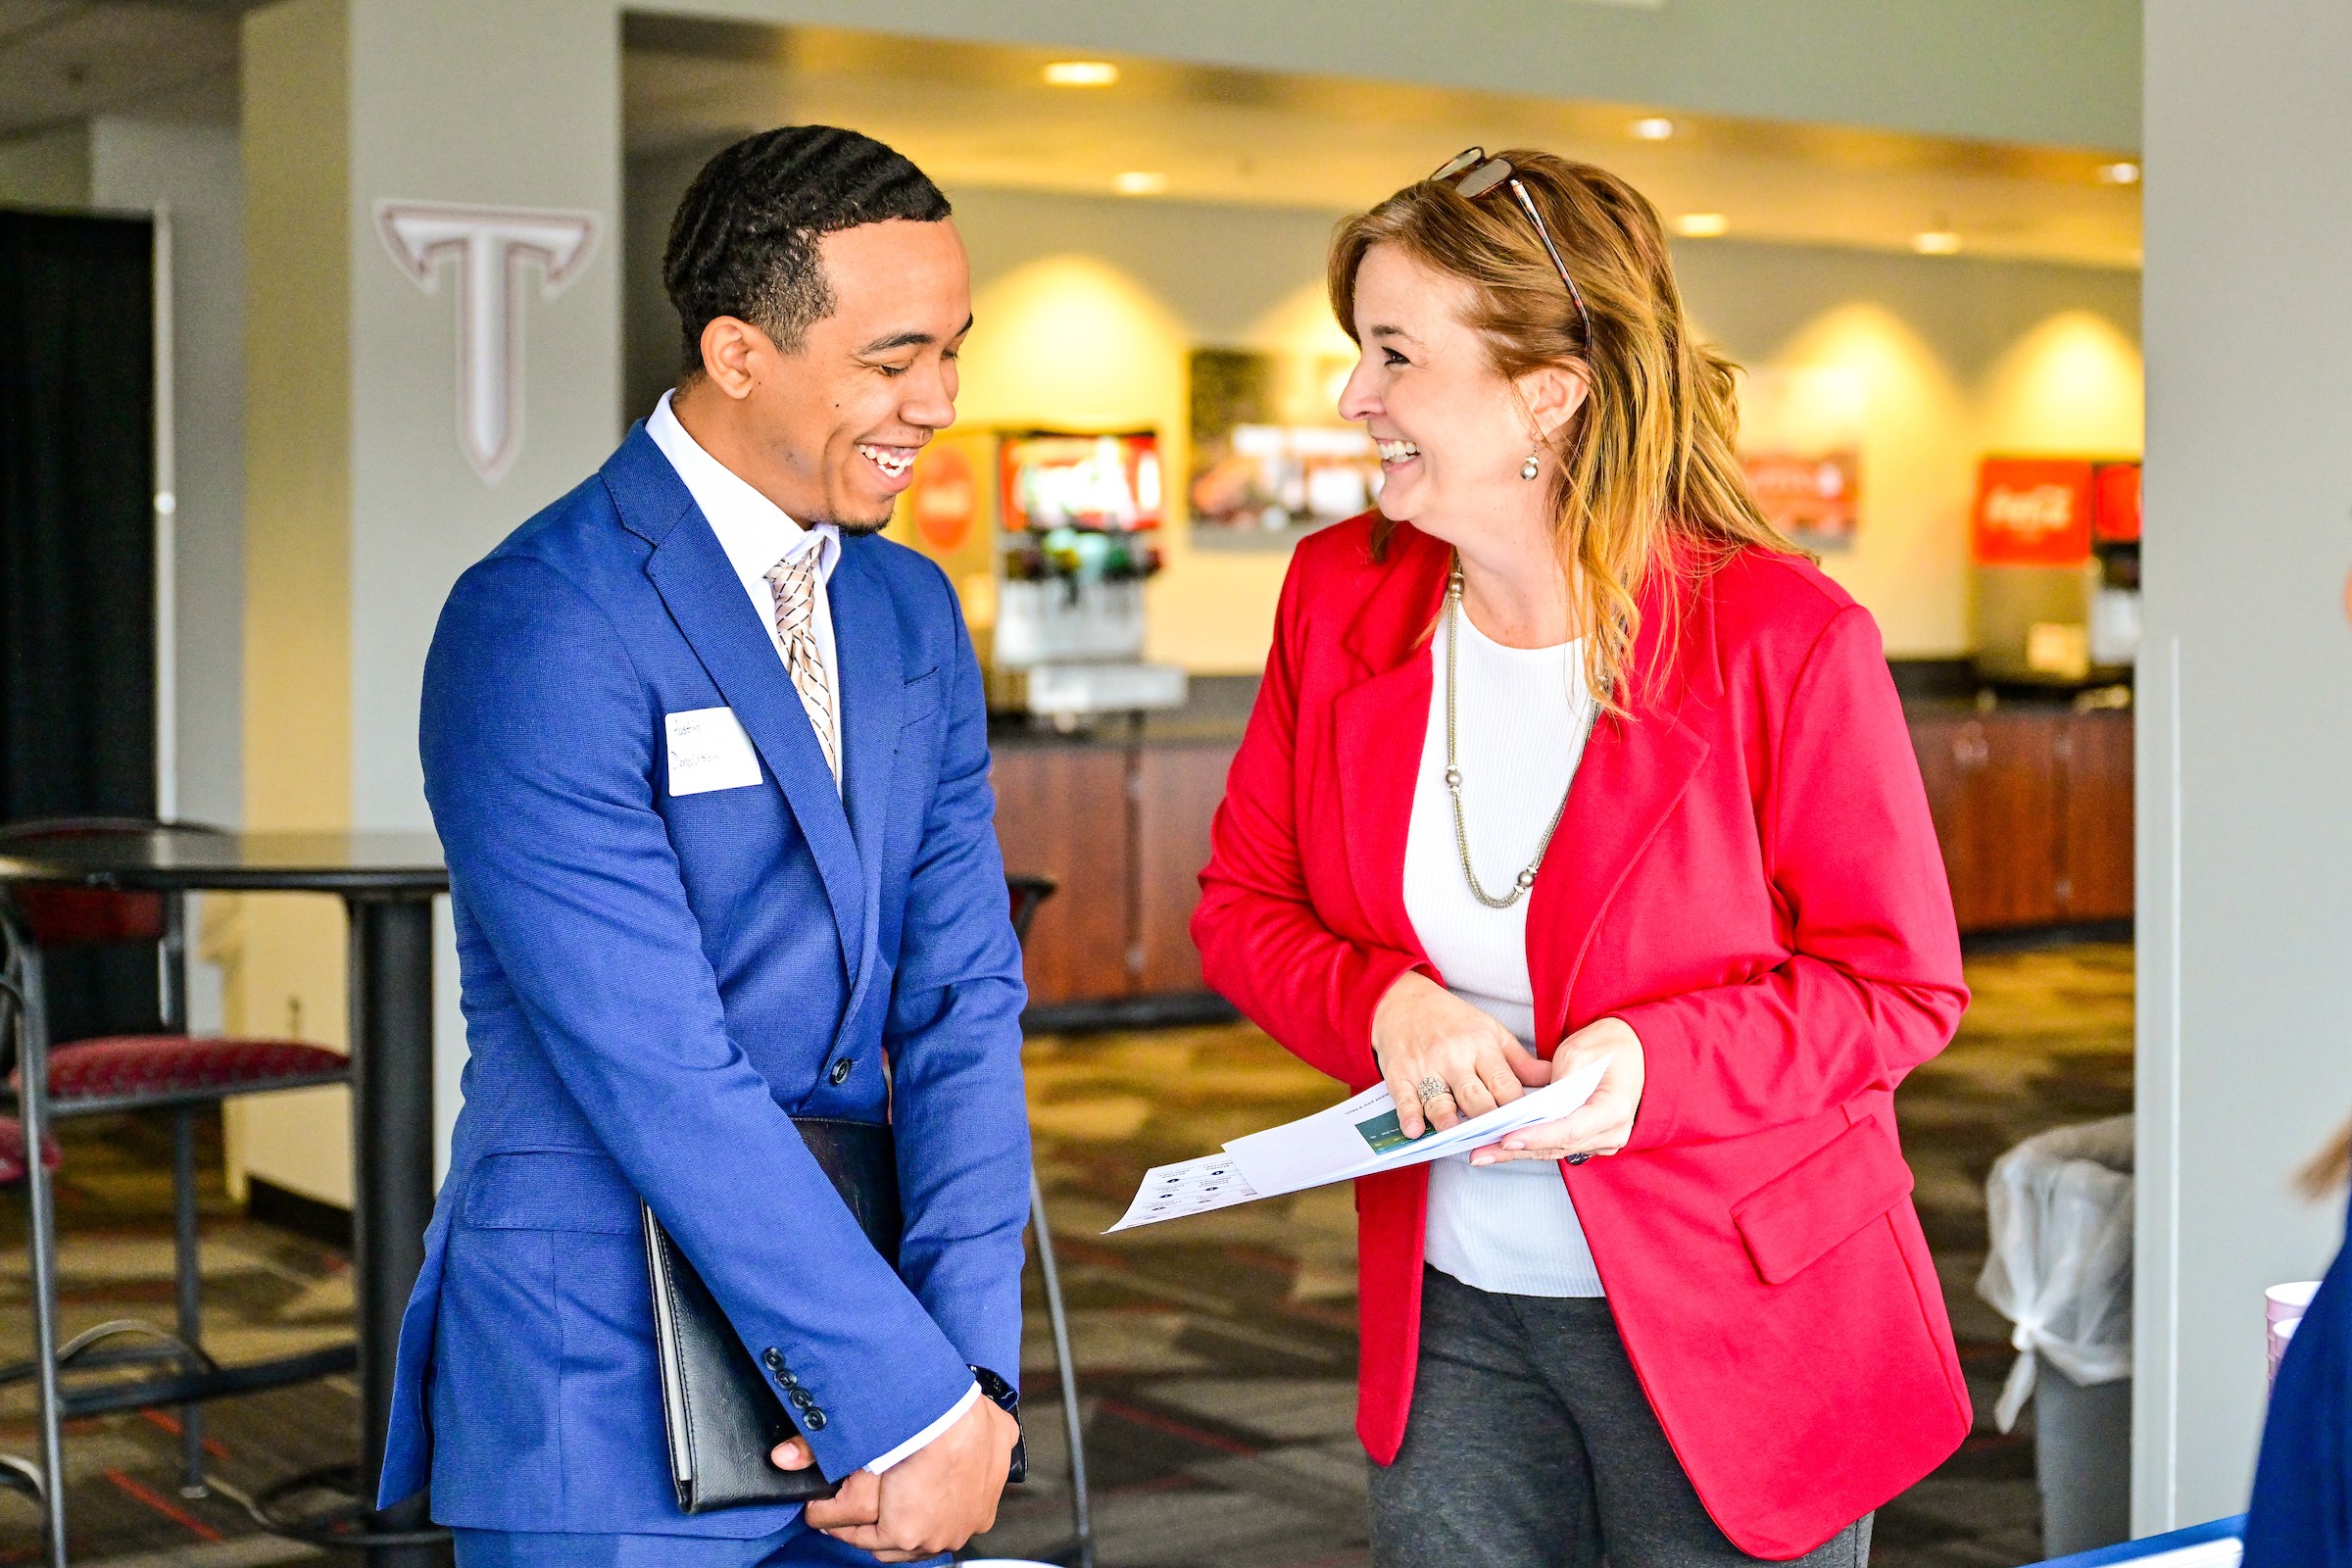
[(1603, 1124), (933, 1500)]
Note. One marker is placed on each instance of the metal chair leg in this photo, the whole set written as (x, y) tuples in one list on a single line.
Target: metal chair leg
[(188, 1275), (40, 1200), (1081, 1510)]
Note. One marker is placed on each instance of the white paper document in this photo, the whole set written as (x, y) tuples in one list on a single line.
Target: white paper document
[(1195, 1187), (1358, 1137)]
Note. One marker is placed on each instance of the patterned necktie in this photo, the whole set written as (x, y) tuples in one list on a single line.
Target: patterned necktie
[(793, 580)]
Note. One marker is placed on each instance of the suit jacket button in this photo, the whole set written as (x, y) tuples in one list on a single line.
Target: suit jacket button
[(803, 1399), (841, 1073), (772, 1358), (813, 1420)]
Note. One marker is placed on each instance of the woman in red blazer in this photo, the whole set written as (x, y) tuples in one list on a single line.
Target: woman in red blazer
[(1717, 1335)]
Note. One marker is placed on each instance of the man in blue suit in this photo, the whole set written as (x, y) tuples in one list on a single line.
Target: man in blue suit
[(710, 762)]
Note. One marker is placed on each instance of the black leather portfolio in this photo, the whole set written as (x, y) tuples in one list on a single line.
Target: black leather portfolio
[(722, 1413)]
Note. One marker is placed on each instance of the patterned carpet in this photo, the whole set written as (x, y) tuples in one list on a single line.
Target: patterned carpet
[(1216, 1355)]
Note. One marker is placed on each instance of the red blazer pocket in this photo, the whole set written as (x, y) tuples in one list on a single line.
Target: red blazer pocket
[(1825, 1198)]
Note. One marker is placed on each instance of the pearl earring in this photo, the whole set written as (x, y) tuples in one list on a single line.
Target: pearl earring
[(1531, 467)]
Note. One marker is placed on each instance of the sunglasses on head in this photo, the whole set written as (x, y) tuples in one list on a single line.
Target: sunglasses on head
[(1472, 175)]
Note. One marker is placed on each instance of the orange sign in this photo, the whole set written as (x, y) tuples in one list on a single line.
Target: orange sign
[(2117, 518), (946, 498), (1817, 497), (2032, 512), (1108, 484)]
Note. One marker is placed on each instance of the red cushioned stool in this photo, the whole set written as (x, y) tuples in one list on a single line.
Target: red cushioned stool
[(170, 1070), (118, 1072), (12, 1151)]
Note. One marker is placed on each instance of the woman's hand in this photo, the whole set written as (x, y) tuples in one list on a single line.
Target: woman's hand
[(1421, 1031), (1603, 1124)]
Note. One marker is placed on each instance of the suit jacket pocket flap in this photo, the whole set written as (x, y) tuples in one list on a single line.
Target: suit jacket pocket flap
[(919, 698), (1822, 1199), (551, 1190)]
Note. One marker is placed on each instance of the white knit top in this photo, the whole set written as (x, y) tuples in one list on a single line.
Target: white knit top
[(1520, 733)]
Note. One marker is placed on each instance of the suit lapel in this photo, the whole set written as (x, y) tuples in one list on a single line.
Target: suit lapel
[(707, 601), (1378, 726), (1634, 772), (866, 640)]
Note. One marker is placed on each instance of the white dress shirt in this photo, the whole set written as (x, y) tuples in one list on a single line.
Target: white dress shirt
[(1522, 716), (755, 534)]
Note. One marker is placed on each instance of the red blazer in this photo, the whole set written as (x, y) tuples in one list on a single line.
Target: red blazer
[(1747, 875)]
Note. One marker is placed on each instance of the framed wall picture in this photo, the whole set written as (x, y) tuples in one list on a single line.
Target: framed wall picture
[(1270, 458)]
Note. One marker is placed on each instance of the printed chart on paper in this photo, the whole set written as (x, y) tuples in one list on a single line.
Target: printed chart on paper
[(1361, 1136)]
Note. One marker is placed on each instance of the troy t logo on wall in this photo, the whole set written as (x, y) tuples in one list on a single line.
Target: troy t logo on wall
[(492, 246)]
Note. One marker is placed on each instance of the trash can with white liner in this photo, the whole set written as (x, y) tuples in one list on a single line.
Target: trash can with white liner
[(2060, 1270)]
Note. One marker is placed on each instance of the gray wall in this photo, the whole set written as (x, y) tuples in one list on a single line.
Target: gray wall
[(193, 171), (47, 168), (2004, 69), (2246, 749), (453, 101), (1970, 310)]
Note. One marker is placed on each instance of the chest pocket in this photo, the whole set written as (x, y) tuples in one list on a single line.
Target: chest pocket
[(919, 699)]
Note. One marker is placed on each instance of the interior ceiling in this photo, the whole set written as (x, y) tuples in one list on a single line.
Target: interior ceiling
[(981, 115), (67, 60)]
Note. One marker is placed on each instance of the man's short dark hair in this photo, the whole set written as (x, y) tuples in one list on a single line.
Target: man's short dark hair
[(744, 240)]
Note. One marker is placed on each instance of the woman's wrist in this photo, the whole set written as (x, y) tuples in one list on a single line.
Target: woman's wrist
[(1402, 993)]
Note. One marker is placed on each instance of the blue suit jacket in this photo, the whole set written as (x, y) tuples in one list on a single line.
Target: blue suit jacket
[(654, 985), (2301, 1515)]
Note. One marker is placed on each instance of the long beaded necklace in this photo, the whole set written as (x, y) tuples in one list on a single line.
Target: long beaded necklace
[(1454, 768)]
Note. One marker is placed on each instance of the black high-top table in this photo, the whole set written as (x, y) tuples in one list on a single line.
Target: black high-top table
[(388, 882)]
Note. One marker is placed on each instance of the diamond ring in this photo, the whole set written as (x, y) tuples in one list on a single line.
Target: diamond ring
[(1433, 1088)]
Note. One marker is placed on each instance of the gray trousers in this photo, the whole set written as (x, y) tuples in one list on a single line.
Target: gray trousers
[(1531, 1443)]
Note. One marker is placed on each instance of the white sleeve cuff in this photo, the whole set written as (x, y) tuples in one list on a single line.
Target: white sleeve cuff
[(954, 1413)]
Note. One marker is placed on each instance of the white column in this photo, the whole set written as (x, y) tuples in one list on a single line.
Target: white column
[(366, 506), (2245, 727)]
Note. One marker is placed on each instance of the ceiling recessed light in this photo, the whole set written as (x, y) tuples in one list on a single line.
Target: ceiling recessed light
[(1081, 73), (1701, 225), (1140, 182), (1653, 129), (2126, 173), (1935, 242)]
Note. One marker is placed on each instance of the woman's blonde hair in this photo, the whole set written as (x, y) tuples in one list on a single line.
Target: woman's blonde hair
[(2329, 1168), (1647, 463)]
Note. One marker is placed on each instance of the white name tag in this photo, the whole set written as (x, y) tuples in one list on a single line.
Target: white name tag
[(709, 751)]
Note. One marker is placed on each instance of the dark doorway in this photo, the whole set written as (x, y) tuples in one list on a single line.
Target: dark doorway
[(78, 555)]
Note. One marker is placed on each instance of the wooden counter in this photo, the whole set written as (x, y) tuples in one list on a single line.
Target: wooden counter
[(2033, 807), (1124, 829)]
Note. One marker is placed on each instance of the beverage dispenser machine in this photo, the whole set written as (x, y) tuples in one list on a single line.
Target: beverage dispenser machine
[(2055, 543), (1049, 537)]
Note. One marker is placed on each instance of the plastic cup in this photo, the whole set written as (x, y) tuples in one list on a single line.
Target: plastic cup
[(2283, 1301), (2282, 1332)]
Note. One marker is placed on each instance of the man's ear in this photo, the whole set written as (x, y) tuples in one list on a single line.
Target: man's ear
[(1551, 395), (736, 356)]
